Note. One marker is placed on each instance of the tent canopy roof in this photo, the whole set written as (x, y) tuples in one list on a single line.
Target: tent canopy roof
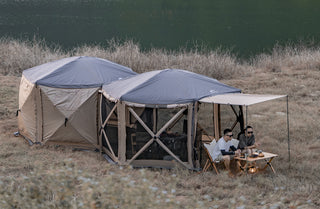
[(240, 99), (77, 72), (169, 86)]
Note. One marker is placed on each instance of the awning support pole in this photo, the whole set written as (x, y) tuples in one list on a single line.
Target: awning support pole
[(246, 123), (288, 128), (216, 123), (100, 122), (246, 117)]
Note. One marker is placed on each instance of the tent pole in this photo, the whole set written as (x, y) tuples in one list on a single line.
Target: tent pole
[(219, 119), (141, 121), (288, 128), (213, 122), (197, 144), (108, 143), (172, 154), (121, 109), (109, 116), (154, 111), (216, 121), (100, 123), (190, 133), (246, 118), (39, 116)]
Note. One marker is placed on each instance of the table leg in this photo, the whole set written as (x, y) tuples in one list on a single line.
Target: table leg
[(268, 164), (242, 168)]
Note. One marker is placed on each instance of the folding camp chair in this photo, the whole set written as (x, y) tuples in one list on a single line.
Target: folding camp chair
[(209, 149), (235, 142), (210, 162)]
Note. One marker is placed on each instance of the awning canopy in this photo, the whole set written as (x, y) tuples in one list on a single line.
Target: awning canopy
[(246, 100), (240, 99)]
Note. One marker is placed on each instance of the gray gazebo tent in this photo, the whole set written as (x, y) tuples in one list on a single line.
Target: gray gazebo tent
[(58, 101), (132, 108)]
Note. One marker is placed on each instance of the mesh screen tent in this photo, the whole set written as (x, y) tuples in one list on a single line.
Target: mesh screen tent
[(58, 101), (149, 120)]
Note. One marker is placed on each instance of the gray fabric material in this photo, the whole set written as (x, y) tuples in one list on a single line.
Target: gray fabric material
[(169, 86), (77, 72), (245, 141)]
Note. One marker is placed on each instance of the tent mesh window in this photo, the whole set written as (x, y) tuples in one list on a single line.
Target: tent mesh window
[(174, 137), (111, 128)]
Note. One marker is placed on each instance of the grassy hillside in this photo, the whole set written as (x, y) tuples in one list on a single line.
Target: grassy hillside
[(59, 177)]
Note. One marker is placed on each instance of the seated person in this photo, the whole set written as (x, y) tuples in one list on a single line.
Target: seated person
[(247, 139), (224, 150)]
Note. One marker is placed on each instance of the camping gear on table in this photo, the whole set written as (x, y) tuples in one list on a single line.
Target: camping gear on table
[(58, 100)]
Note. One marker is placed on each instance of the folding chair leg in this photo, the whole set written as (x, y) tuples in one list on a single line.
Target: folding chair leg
[(215, 168), (207, 166)]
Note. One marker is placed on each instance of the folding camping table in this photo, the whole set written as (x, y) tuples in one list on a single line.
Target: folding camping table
[(268, 157)]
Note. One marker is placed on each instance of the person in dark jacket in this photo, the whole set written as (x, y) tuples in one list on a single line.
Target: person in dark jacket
[(247, 139)]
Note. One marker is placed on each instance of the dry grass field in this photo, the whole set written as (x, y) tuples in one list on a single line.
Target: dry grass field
[(60, 177)]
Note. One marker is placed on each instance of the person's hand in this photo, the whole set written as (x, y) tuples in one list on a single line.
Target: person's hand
[(237, 152)]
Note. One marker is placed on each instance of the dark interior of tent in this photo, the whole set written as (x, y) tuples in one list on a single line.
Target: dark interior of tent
[(174, 137)]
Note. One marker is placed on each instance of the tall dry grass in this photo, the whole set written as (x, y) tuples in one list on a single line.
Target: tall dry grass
[(43, 177), (18, 55), (218, 64), (299, 56)]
